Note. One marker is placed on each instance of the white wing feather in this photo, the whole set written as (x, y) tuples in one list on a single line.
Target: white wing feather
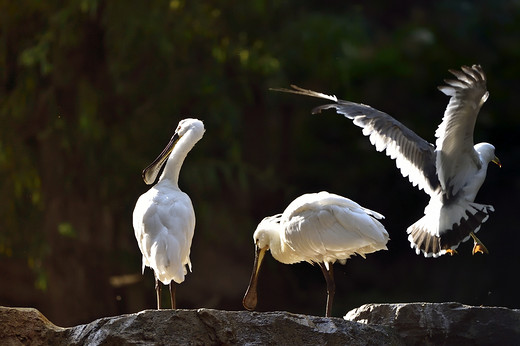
[(328, 227), (454, 135)]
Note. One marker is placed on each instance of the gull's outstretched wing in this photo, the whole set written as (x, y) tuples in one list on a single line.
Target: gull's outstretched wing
[(455, 134), (414, 156)]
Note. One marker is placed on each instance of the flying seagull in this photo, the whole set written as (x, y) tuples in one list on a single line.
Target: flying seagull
[(317, 228), (450, 172), (163, 218)]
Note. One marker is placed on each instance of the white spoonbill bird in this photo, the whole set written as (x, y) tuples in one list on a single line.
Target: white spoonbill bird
[(164, 220), (316, 228), (451, 171)]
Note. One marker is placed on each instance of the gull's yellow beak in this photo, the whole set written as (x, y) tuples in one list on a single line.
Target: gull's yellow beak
[(497, 162)]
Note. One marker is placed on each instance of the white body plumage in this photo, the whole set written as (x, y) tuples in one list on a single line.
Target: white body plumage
[(164, 223), (321, 228)]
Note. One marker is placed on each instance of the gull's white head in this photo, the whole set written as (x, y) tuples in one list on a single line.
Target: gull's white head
[(486, 153)]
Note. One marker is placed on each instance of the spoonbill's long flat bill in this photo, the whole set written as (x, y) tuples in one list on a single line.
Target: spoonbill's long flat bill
[(451, 171), (316, 228), (164, 220)]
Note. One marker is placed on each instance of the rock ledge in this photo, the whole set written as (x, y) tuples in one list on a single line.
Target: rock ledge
[(443, 323), (371, 324)]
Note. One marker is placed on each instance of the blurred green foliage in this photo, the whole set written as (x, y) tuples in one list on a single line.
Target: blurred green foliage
[(91, 91)]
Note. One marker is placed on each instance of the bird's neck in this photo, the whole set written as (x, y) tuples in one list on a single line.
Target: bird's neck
[(282, 252), (174, 162), (474, 184)]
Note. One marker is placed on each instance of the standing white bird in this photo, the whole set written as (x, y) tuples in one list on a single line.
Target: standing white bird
[(316, 228), (163, 219), (451, 172)]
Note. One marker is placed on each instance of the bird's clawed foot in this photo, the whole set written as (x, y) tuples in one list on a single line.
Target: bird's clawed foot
[(477, 245), (451, 252)]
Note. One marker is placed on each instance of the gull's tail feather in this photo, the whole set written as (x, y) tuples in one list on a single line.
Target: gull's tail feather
[(433, 240)]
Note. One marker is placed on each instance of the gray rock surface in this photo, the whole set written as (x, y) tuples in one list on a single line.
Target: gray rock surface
[(26, 326), (210, 327), (193, 327), (443, 323), (372, 324)]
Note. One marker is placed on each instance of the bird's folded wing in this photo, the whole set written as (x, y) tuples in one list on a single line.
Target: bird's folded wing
[(334, 231), (414, 156), (455, 134), (332, 199)]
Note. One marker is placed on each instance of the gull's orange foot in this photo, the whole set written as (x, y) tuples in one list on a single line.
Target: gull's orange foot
[(477, 245), (451, 252)]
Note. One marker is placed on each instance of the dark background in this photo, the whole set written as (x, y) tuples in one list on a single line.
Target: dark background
[(91, 91)]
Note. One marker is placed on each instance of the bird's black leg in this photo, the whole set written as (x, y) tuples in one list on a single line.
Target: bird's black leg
[(331, 286), (158, 291), (172, 293)]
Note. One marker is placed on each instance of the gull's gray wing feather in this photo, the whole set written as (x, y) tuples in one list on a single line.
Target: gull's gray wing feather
[(414, 156)]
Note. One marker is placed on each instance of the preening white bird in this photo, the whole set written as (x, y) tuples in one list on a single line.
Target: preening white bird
[(316, 228), (163, 218), (451, 171)]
